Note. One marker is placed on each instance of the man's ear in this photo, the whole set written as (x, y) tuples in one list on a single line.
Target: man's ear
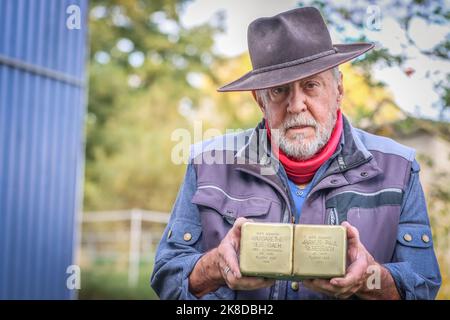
[(259, 102)]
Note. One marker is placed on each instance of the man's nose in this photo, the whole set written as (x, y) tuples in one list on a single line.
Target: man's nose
[(297, 100)]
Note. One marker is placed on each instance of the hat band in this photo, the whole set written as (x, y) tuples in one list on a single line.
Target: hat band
[(295, 62)]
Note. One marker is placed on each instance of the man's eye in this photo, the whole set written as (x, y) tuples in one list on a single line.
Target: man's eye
[(310, 85), (279, 90)]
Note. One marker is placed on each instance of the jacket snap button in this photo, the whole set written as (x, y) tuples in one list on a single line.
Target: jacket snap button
[(334, 181), (407, 237), (364, 174), (294, 286), (425, 238), (187, 236)]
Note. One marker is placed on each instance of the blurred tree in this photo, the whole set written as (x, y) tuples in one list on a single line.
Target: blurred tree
[(144, 68), (353, 20), (365, 104)]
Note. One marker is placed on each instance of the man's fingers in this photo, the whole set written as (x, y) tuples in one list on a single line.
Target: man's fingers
[(229, 257), (347, 282), (355, 272), (239, 222), (253, 283), (352, 232), (346, 293), (229, 247), (325, 287), (234, 235), (246, 283), (318, 286), (321, 284)]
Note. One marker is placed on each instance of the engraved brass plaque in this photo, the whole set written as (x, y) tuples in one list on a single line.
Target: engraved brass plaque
[(319, 251), (288, 251), (266, 249)]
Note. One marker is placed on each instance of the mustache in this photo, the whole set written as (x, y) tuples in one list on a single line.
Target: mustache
[(299, 120)]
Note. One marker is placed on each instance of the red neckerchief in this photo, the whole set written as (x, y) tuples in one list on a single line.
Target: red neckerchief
[(302, 171)]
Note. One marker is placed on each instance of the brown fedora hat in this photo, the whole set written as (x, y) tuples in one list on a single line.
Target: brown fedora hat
[(291, 46)]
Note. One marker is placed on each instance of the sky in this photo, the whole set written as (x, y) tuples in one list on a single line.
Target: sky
[(414, 94)]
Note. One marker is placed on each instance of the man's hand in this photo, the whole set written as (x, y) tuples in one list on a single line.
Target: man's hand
[(221, 266), (355, 280)]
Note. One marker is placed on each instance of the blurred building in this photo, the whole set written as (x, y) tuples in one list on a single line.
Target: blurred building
[(430, 139), (43, 47)]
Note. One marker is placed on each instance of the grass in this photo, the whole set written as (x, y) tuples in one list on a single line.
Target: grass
[(103, 281)]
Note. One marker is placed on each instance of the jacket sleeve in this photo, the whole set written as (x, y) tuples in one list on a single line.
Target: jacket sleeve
[(414, 266), (180, 248)]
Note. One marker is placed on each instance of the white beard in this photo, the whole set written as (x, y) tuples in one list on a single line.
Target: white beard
[(297, 147)]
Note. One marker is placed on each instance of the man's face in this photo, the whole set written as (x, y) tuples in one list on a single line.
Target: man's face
[(304, 112)]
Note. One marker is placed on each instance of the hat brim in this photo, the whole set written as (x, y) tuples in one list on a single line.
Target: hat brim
[(263, 80)]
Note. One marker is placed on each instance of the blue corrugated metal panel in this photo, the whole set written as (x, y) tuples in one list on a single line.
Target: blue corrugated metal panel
[(42, 108), (49, 37)]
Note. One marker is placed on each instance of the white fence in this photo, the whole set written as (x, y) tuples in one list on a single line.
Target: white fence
[(134, 235)]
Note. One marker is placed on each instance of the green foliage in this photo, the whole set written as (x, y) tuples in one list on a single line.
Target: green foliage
[(140, 58), (102, 281)]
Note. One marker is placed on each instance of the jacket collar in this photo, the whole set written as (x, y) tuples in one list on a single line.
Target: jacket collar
[(257, 156)]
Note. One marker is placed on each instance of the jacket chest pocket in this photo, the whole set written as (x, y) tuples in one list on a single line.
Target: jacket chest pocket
[(214, 200), (340, 204), (219, 210), (375, 215)]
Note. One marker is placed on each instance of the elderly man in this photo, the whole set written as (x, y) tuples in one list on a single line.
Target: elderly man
[(304, 163)]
